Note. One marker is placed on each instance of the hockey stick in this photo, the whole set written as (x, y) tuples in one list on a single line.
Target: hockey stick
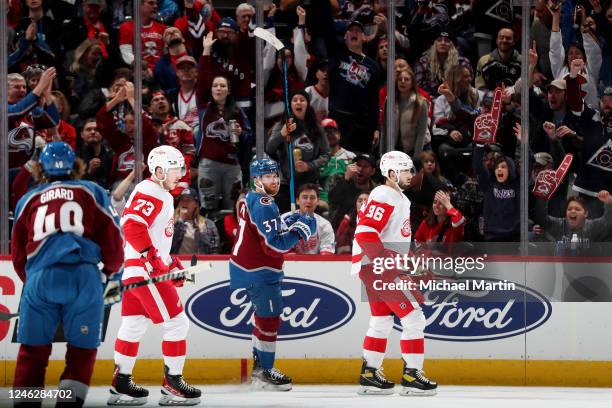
[(7, 316), (187, 273), (268, 37)]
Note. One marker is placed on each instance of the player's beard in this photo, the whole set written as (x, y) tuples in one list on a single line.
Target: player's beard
[(403, 186), (271, 191)]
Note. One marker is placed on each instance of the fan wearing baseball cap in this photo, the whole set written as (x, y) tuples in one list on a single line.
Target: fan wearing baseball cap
[(354, 80), (340, 158), (193, 233)]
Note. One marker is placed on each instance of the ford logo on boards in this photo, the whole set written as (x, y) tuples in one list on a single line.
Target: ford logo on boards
[(479, 315), (310, 308)]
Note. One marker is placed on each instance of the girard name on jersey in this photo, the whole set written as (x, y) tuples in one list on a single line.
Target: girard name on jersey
[(57, 193)]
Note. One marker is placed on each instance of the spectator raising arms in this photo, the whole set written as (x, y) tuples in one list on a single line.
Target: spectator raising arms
[(575, 226), (501, 197), (310, 148), (354, 82), (589, 51), (273, 71)]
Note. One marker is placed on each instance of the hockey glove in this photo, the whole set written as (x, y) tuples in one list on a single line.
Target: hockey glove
[(291, 218), (175, 266), (305, 227), (153, 263), (111, 292)]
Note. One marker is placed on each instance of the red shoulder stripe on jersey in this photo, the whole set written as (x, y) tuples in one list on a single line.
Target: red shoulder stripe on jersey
[(376, 215), (145, 206)]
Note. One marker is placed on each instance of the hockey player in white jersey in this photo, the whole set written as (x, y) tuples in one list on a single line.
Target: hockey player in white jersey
[(383, 231), (148, 226)]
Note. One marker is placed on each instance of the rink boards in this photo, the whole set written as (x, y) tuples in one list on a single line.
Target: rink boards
[(545, 331)]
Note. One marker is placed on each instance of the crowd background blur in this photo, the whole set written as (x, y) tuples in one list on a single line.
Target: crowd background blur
[(71, 77)]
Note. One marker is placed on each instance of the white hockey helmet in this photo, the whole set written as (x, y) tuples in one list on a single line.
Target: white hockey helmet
[(166, 157), (395, 161)]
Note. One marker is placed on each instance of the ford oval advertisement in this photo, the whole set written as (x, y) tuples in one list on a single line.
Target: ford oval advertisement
[(310, 309)]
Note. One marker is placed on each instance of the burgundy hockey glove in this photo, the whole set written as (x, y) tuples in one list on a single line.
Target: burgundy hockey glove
[(485, 125), (153, 262), (175, 266)]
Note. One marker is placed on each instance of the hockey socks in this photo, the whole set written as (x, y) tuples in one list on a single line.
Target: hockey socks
[(125, 355), (264, 339), (79, 369), (174, 355)]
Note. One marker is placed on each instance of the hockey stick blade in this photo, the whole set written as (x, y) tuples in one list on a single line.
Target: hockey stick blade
[(269, 38)]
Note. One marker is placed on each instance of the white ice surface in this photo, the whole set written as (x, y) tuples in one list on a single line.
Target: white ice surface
[(345, 396)]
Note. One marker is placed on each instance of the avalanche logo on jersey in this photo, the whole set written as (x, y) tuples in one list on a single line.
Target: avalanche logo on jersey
[(406, 231), (265, 200)]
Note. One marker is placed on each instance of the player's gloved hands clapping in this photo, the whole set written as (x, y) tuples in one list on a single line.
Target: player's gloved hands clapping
[(305, 226), (153, 263), (175, 266)]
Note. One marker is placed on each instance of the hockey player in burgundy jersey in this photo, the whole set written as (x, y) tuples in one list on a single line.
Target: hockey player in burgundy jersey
[(63, 228), (383, 230), (148, 225), (256, 264)]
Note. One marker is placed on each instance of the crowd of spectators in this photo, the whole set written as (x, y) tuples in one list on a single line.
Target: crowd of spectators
[(71, 78)]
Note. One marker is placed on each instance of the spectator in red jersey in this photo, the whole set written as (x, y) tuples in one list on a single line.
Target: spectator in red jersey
[(223, 129), (92, 24), (443, 224), (151, 32), (200, 18), (119, 134), (346, 231)]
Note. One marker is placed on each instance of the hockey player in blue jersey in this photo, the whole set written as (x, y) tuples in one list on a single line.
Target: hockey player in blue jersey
[(256, 264), (63, 228)]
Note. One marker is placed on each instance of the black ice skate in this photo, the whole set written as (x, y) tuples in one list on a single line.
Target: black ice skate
[(414, 382), (269, 379), (372, 381), (125, 392), (175, 391)]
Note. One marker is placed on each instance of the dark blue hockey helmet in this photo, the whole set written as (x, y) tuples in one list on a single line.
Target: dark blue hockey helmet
[(57, 159), (259, 167)]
